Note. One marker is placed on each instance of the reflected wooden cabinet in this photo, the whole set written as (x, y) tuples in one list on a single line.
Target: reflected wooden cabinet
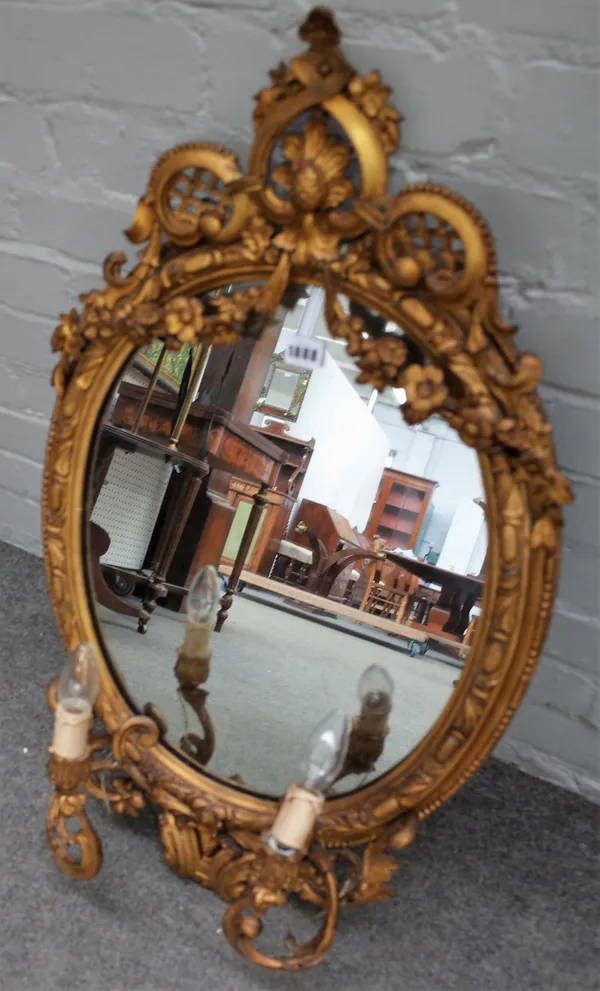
[(281, 498), (333, 530), (271, 528), (399, 509)]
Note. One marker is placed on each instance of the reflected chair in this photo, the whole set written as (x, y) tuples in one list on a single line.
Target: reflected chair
[(390, 591), (343, 587), (426, 596), (470, 630), (293, 563)]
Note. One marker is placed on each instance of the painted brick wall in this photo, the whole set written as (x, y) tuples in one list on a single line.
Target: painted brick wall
[(501, 103)]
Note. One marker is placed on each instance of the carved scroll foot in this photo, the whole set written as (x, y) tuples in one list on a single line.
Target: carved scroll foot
[(73, 841), (270, 879)]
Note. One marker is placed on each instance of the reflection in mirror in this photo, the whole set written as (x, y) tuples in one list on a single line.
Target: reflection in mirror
[(252, 573), (284, 389)]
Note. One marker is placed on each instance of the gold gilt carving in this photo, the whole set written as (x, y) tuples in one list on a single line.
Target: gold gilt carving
[(266, 881), (72, 839), (423, 259)]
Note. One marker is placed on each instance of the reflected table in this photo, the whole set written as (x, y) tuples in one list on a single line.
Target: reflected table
[(458, 595), (226, 448)]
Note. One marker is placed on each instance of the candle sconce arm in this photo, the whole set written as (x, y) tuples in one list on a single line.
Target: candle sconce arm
[(270, 879), (73, 841), (201, 748)]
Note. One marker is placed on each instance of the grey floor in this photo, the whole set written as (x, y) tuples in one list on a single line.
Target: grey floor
[(274, 677), (499, 892)]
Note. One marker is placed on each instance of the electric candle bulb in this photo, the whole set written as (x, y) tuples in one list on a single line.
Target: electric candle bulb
[(77, 691), (376, 689), (203, 596), (370, 726), (323, 760), (325, 752), (193, 659)]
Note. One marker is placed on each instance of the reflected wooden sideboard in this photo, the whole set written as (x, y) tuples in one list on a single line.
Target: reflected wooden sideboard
[(280, 501), (459, 593)]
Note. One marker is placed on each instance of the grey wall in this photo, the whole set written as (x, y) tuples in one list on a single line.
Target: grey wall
[(501, 102)]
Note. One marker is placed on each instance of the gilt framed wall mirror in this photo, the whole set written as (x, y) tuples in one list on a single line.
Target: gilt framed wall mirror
[(299, 636), (283, 390)]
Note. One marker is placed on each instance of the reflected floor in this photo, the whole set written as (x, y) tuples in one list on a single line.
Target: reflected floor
[(274, 676)]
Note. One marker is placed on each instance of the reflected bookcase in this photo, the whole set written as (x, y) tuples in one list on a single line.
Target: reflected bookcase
[(399, 509)]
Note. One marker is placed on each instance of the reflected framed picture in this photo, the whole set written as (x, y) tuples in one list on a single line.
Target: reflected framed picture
[(283, 390), (172, 368)]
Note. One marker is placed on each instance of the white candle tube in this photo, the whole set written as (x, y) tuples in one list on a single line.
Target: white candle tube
[(72, 723), (296, 818)]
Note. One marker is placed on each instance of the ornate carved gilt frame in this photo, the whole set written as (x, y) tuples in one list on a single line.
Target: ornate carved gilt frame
[(422, 258)]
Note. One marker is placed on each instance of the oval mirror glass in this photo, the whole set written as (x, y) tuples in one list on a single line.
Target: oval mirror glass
[(348, 551)]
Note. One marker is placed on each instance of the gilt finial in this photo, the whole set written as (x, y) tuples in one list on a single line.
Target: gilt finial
[(319, 29)]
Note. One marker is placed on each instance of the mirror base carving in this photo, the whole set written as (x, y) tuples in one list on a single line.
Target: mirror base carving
[(201, 844)]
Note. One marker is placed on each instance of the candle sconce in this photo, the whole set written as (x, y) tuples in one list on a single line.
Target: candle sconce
[(200, 748), (77, 851), (288, 863), (313, 209), (193, 660), (89, 769), (193, 657), (268, 884), (370, 727)]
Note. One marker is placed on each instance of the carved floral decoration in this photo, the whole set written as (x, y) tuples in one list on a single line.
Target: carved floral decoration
[(314, 171), (372, 95), (183, 320), (427, 248), (426, 392)]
